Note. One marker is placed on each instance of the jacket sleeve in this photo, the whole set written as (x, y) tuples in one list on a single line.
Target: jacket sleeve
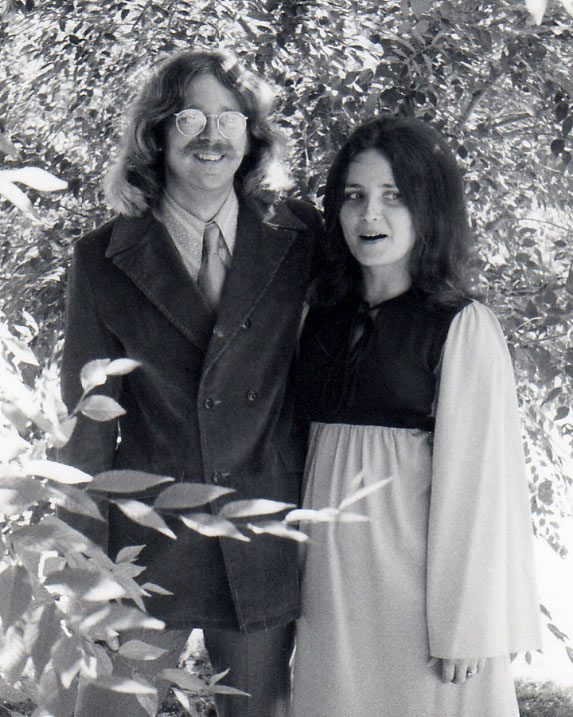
[(92, 445), (481, 588)]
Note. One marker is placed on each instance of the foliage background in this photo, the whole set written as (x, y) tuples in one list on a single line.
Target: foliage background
[(493, 76)]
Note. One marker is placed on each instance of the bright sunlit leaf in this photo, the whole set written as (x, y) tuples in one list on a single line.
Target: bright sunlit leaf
[(17, 197), (94, 373), (121, 367), (212, 526), (144, 515), (249, 508), (59, 472), (279, 530), (101, 408), (36, 178)]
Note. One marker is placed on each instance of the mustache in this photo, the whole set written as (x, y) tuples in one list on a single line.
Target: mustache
[(199, 144)]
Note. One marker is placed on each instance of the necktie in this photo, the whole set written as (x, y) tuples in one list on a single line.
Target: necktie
[(212, 271)]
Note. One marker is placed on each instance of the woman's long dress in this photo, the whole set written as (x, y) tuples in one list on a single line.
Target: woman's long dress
[(444, 565)]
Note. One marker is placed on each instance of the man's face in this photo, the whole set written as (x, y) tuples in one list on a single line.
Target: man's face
[(203, 167)]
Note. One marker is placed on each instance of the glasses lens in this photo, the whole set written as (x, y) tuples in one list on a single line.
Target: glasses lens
[(190, 122), (232, 124)]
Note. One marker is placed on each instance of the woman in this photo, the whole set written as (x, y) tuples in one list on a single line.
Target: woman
[(414, 613)]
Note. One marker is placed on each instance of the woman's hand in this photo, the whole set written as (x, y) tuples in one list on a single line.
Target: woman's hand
[(458, 671)]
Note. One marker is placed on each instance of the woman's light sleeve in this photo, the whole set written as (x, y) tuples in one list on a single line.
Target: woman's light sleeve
[(481, 589)]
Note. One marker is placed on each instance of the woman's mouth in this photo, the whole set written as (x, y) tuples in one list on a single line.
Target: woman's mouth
[(372, 237)]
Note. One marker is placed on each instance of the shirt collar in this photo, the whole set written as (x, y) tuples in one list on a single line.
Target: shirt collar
[(186, 230), (226, 218)]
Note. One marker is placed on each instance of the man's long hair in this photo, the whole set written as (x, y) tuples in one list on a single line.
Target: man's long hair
[(427, 176), (136, 181)]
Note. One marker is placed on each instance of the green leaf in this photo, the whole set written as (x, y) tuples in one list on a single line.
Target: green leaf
[(150, 703), (212, 526), (15, 594), (13, 654), (182, 698), (36, 178), (537, 9), (52, 533), (117, 618), (94, 374), (153, 588), (58, 472), (227, 690), (17, 197), (90, 586), (49, 631), (76, 501), (183, 679), (139, 650), (247, 508), (144, 515), (219, 676), (129, 553), (126, 481), (122, 366), (322, 515), (61, 431), (363, 493), (101, 408), (67, 659), (561, 413), (12, 445), (126, 685), (189, 495), (19, 494), (279, 530)]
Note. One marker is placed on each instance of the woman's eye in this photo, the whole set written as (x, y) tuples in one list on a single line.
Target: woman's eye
[(393, 195), (352, 196)]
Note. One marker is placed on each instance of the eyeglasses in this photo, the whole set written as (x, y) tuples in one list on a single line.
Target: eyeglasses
[(192, 122)]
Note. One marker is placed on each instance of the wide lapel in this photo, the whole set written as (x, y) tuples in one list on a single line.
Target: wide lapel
[(262, 244), (143, 250)]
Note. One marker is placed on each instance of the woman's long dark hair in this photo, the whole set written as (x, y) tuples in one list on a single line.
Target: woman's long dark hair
[(427, 176)]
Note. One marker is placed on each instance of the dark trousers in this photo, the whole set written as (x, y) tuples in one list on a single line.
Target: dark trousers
[(258, 663)]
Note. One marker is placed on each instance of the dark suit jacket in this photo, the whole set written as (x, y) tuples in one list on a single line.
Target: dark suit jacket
[(210, 403)]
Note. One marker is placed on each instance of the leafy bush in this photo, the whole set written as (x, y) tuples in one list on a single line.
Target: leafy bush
[(62, 599)]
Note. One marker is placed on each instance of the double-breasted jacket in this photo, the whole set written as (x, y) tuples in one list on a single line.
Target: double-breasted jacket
[(210, 402)]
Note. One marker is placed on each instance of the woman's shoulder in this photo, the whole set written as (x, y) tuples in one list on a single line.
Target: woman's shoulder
[(477, 330), (478, 316)]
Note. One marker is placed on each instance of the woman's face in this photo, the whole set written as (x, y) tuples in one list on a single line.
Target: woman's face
[(377, 225)]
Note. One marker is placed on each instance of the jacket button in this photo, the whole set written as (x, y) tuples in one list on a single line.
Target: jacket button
[(251, 395), (216, 477), (246, 324), (208, 403)]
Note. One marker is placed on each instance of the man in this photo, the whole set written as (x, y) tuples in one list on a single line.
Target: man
[(202, 281)]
